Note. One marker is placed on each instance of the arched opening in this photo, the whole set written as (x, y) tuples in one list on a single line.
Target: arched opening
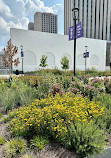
[(50, 59), (29, 61), (94, 60), (29, 58), (68, 57)]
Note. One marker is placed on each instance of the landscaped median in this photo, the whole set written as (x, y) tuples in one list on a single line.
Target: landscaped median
[(54, 109)]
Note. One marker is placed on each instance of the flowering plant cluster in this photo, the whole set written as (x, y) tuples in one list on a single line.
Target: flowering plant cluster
[(30, 80), (90, 91), (54, 115)]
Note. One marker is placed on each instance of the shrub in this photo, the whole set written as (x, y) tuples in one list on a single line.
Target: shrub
[(30, 80), (15, 147), (74, 90), (108, 87), (52, 116), (45, 84), (66, 82), (38, 142), (86, 139), (90, 91), (2, 140), (57, 89), (98, 83)]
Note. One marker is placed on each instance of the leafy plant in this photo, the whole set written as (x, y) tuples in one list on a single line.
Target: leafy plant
[(2, 140), (52, 115), (16, 95), (43, 61), (57, 89), (65, 63), (86, 139), (66, 82), (1, 115), (6, 119), (90, 91), (45, 84), (38, 142), (15, 147)]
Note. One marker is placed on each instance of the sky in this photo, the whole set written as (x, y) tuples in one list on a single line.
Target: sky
[(18, 13)]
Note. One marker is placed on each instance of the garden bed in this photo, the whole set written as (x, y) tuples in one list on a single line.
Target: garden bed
[(64, 115)]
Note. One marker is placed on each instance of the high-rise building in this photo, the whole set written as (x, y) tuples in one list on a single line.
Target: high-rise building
[(31, 26), (95, 16), (44, 22)]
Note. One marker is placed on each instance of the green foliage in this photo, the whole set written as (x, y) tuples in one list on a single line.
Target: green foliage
[(46, 84), (57, 89), (43, 61), (90, 91), (15, 147), (2, 140), (104, 99), (66, 82), (6, 119), (86, 139), (65, 63), (16, 95), (38, 142), (1, 115)]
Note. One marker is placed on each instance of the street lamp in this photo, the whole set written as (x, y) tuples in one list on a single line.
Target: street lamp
[(75, 10), (85, 56), (22, 56)]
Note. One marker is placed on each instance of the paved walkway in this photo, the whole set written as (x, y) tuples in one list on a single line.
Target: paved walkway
[(12, 75)]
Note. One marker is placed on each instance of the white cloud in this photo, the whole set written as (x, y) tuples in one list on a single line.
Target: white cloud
[(5, 10), (16, 13)]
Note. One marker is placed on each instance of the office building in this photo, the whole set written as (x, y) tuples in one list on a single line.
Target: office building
[(44, 22), (31, 26), (95, 16)]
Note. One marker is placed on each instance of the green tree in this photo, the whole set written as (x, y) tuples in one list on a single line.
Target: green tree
[(65, 63), (43, 61)]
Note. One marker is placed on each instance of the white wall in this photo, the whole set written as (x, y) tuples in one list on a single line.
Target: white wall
[(35, 44)]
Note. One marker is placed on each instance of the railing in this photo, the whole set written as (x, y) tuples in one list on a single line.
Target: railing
[(4, 71)]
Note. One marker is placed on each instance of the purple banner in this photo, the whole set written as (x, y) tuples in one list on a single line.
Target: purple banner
[(71, 33), (78, 31), (22, 54)]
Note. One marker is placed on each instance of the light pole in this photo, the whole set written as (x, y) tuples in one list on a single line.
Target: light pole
[(22, 56), (85, 56), (75, 10)]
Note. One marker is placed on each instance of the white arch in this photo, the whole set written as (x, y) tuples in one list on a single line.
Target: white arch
[(80, 60), (50, 59), (29, 58), (94, 60), (68, 56)]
